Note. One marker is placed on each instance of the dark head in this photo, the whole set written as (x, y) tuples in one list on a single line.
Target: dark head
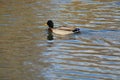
[(50, 23)]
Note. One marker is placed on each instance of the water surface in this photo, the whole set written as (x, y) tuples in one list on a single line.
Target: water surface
[(27, 54)]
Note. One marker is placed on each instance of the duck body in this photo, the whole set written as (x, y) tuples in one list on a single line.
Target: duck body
[(62, 30)]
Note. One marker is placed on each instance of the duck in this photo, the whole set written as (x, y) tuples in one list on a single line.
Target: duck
[(61, 30)]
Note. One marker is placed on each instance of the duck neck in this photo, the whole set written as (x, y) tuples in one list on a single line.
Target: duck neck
[(51, 26), (50, 29)]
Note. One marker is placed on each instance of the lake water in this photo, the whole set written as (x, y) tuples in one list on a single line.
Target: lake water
[(28, 53)]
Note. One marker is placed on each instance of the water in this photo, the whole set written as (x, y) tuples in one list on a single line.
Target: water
[(27, 54)]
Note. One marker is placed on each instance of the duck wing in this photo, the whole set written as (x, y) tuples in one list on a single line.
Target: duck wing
[(66, 28)]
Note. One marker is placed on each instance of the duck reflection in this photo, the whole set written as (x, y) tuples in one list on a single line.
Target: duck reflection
[(50, 35)]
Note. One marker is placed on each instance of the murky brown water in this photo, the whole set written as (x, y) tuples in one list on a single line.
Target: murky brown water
[(26, 54)]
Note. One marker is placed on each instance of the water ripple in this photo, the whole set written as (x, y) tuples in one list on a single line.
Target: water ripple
[(71, 59), (26, 54)]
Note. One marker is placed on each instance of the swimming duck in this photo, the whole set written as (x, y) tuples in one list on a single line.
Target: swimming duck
[(62, 30)]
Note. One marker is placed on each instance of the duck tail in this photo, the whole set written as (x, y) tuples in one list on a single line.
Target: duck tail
[(76, 30)]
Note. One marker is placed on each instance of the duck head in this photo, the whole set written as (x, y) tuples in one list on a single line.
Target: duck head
[(50, 23)]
